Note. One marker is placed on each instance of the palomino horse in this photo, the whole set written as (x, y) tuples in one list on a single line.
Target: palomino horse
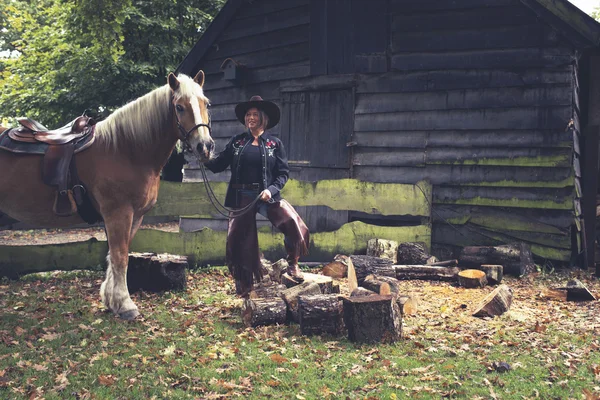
[(121, 172)]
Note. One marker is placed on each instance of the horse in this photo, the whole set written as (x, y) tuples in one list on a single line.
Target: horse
[(120, 171)]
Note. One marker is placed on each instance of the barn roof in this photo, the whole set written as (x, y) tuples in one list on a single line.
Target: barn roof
[(577, 26)]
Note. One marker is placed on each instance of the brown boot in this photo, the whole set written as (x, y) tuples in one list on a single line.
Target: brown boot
[(293, 270)]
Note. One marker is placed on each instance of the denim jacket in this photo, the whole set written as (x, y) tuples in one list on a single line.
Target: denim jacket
[(274, 164)]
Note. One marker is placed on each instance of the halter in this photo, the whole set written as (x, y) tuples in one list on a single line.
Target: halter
[(184, 136)]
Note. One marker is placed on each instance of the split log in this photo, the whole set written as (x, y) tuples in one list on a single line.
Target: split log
[(335, 269), (553, 294), (290, 296), (367, 265), (361, 291), (260, 291), (413, 253), (257, 312), (352, 279), (375, 282), (493, 273), (472, 278), (372, 319), (447, 263), (156, 272), (320, 313), (324, 282), (495, 303), (515, 258), (383, 248), (409, 304), (277, 269), (577, 291), (426, 272)]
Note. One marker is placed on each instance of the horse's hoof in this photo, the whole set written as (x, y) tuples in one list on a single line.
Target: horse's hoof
[(129, 315)]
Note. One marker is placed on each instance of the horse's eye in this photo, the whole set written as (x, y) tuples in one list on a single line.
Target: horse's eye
[(179, 108), (207, 105)]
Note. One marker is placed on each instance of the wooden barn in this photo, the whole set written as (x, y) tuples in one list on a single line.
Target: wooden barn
[(495, 103)]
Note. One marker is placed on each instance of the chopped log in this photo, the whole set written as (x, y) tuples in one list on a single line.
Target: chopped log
[(324, 282), (257, 312), (372, 319), (384, 289), (495, 303), (320, 313), (447, 263), (156, 272), (267, 291), (409, 304), (515, 258), (577, 291), (383, 248), (290, 296), (361, 291), (553, 294), (367, 265), (493, 273), (413, 253), (335, 269), (472, 278), (352, 279), (335, 287), (277, 269), (374, 283), (426, 272)]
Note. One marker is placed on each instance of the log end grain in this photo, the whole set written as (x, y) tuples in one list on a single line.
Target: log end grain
[(472, 278)]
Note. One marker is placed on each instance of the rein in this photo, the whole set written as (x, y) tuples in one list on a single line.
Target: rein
[(184, 136)]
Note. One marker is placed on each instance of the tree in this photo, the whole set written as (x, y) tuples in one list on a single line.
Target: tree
[(59, 58)]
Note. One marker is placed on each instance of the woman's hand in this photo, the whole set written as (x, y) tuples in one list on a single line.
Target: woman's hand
[(265, 195)]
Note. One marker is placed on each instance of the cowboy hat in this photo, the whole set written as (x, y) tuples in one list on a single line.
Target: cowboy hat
[(270, 108)]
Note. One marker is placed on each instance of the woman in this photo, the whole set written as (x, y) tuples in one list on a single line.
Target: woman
[(259, 168)]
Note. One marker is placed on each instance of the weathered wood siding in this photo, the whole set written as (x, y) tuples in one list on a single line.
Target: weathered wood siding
[(478, 99)]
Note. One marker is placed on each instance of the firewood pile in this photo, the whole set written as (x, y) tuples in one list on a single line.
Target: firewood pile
[(361, 294)]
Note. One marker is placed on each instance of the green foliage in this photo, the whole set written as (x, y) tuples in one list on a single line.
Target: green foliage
[(62, 57), (596, 13)]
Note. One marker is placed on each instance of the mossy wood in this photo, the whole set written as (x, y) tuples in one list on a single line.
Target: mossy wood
[(181, 199)]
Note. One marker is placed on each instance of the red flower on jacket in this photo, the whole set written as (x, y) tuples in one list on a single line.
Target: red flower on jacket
[(270, 144)]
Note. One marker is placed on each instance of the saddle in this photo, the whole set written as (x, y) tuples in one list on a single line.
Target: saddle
[(57, 147)]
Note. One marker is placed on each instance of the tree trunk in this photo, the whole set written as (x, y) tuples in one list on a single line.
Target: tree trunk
[(367, 265), (472, 278), (413, 253), (372, 319), (290, 296), (515, 258), (496, 303), (256, 312), (156, 272), (383, 248), (426, 272), (320, 313)]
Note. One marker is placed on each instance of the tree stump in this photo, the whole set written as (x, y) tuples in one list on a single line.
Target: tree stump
[(426, 272), (361, 291), (290, 296), (493, 273), (372, 319), (472, 278), (156, 272), (367, 265), (412, 253), (496, 303), (257, 312), (383, 248), (320, 313), (515, 258)]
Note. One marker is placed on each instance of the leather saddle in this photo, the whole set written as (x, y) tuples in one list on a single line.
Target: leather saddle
[(57, 147)]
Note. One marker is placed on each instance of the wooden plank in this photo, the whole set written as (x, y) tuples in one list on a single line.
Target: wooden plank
[(340, 35), (485, 17), (233, 48), (505, 58), (181, 199), (318, 38), (499, 176), (375, 15), (557, 95), (543, 198), (388, 157), (445, 79), (267, 23), (428, 6), (253, 76), (370, 63), (503, 37), (236, 94), (590, 191), (594, 91), (251, 9), (495, 118), (464, 138)]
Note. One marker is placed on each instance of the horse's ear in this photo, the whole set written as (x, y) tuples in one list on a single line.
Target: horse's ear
[(173, 81), (199, 78)]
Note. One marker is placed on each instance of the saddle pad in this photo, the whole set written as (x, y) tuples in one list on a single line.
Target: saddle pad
[(6, 143)]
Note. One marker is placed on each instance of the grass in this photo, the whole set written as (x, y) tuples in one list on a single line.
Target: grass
[(58, 342)]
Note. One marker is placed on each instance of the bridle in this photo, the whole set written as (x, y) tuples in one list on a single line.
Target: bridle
[(184, 136)]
